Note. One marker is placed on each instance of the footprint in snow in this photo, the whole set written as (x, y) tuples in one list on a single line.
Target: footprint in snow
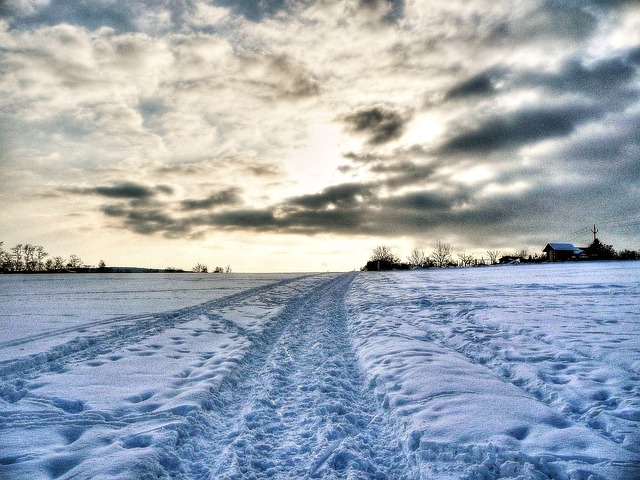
[(71, 433)]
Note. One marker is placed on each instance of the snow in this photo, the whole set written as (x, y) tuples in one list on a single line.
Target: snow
[(522, 372)]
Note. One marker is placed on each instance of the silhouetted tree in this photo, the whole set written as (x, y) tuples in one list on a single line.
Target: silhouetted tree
[(383, 253), (627, 254), (40, 255), (17, 256), (4, 257), (600, 251), (200, 268), (383, 258), (418, 257), (173, 270), (523, 254), (466, 260), (58, 263), (493, 256), (74, 262), (102, 267), (441, 255), (28, 251)]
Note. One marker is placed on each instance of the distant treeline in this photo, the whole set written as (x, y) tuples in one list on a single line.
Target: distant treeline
[(27, 258), (442, 256)]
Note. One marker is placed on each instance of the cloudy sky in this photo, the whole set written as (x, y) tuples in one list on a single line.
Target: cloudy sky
[(276, 135)]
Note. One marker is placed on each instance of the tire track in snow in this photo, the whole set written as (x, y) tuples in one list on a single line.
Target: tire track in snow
[(298, 408), (148, 422)]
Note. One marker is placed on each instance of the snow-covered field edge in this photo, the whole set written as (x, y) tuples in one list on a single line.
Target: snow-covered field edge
[(525, 373)]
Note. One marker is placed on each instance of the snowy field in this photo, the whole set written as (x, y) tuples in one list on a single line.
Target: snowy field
[(521, 372)]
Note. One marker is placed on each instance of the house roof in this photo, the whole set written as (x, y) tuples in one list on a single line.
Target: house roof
[(567, 247)]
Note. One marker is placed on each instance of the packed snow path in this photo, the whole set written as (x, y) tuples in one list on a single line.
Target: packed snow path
[(300, 408)]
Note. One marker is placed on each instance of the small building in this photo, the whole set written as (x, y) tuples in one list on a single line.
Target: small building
[(563, 251)]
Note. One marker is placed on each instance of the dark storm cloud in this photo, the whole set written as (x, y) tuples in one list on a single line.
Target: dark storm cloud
[(229, 196), (8, 9), (423, 201), (341, 221), (161, 219), (411, 213), (633, 56), (253, 219), (603, 87), (145, 221), (402, 167), (608, 80), (344, 209), (380, 124), (124, 190), (520, 128), (481, 84), (302, 221), (609, 154), (346, 194)]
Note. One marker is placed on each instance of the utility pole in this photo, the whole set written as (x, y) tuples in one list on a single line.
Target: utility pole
[(594, 230)]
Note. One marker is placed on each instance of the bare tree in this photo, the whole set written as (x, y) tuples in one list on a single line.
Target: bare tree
[(522, 254), (74, 262), (17, 257), (418, 257), (383, 253), (29, 252), (58, 263), (441, 255), (493, 256), (40, 255), (3, 258), (382, 258), (465, 260), (200, 268)]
